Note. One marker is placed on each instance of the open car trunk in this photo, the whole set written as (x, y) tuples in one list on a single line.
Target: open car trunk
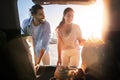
[(99, 61)]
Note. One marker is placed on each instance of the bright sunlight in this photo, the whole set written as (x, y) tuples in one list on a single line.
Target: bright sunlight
[(90, 19)]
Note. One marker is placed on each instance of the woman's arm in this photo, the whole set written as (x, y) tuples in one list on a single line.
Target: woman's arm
[(59, 48), (80, 39), (59, 52)]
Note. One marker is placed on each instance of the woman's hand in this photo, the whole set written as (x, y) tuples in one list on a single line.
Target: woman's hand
[(82, 42), (59, 62)]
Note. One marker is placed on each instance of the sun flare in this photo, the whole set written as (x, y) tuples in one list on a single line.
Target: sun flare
[(90, 19)]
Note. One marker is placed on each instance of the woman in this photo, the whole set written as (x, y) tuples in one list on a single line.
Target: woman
[(68, 40)]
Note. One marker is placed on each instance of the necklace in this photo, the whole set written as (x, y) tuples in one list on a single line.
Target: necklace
[(65, 33)]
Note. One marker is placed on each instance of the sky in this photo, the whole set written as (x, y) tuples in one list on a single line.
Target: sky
[(53, 13), (89, 18), (23, 9)]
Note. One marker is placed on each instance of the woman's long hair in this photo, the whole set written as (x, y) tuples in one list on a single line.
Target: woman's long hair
[(64, 13)]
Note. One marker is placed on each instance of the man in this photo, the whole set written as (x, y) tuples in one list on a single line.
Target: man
[(39, 29)]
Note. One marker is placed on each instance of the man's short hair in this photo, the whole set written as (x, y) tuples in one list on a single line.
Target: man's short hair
[(34, 8)]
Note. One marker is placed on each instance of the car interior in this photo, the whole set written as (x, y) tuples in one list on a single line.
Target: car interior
[(100, 59)]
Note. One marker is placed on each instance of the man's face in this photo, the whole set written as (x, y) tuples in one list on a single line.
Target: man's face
[(39, 16)]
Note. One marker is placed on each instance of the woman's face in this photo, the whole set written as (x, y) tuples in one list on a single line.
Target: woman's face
[(69, 17)]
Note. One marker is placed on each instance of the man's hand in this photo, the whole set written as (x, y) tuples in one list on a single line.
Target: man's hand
[(37, 67)]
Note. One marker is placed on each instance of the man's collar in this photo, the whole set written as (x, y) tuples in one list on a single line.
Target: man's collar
[(30, 20)]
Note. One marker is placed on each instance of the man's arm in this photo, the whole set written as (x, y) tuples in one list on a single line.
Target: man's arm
[(45, 41), (40, 56)]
